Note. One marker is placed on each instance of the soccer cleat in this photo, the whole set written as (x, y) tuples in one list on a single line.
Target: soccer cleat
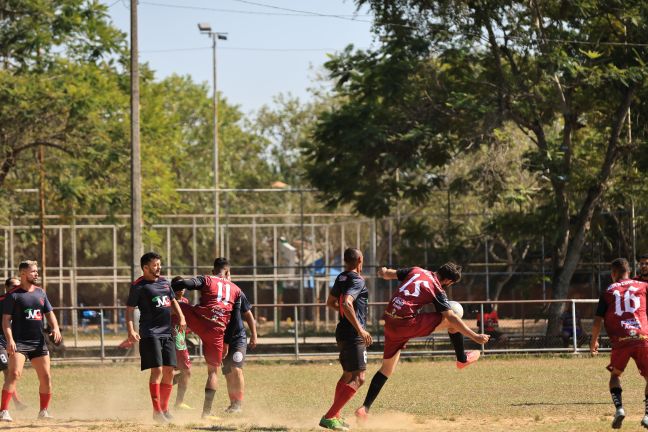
[(361, 414), (333, 424), (168, 415), (234, 409), (210, 417), (619, 415), (471, 357), (159, 417), (5, 417), (644, 421), (44, 415), (343, 422), (183, 406)]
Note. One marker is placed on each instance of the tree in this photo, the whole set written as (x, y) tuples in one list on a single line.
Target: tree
[(449, 73)]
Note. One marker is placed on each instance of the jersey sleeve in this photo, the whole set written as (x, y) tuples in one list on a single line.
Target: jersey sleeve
[(47, 306), (133, 296), (8, 305), (195, 283), (336, 291), (401, 274), (245, 304), (602, 306), (441, 301), (356, 286)]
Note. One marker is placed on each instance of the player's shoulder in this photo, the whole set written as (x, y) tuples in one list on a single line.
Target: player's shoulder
[(138, 282)]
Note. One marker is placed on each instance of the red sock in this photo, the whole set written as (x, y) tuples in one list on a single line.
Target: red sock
[(15, 396), (236, 396), (154, 389), (45, 399), (165, 395), (6, 398), (343, 395)]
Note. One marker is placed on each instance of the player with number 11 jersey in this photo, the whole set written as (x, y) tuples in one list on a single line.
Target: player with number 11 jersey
[(209, 318)]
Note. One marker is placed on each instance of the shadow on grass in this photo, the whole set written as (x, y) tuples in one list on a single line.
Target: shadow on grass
[(242, 428), (558, 403)]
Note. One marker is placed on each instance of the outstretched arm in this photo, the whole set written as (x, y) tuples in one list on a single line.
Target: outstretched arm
[(188, 284), (387, 274)]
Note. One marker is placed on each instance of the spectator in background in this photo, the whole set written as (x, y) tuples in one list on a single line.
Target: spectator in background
[(643, 269), (491, 324), (567, 331)]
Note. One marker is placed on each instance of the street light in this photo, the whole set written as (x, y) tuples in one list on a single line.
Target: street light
[(205, 28)]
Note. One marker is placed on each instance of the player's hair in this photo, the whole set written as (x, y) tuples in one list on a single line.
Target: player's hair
[(220, 264), (450, 271), (644, 256), (620, 266), (148, 257), (26, 264), (352, 256), (9, 282)]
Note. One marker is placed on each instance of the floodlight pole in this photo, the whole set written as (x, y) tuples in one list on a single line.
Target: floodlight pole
[(215, 36)]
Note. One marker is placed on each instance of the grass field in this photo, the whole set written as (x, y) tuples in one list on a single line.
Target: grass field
[(521, 394)]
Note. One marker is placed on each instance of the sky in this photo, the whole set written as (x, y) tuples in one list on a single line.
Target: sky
[(269, 50)]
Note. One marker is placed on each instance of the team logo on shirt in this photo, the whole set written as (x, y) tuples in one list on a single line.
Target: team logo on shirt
[(162, 301), (631, 324), (42, 301), (33, 314)]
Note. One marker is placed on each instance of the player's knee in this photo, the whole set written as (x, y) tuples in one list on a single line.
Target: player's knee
[(14, 375), (360, 380)]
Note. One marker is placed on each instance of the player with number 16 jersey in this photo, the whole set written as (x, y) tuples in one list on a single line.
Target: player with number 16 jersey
[(623, 307)]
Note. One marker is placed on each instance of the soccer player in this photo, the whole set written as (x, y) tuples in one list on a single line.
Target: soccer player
[(209, 318), (350, 297), (183, 361), (152, 294), (622, 308), (22, 322), (11, 284), (403, 320), (643, 268), (236, 339)]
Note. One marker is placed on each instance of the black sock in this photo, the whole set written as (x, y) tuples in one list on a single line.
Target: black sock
[(209, 398), (457, 340), (646, 404), (616, 397), (377, 383)]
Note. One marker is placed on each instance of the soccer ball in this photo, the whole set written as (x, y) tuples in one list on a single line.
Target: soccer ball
[(456, 308)]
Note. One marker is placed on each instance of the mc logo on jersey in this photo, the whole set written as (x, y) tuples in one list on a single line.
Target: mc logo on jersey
[(162, 301), (33, 314)]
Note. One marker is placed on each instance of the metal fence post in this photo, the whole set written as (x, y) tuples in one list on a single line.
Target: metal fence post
[(296, 323), (101, 334), (481, 323), (574, 332)]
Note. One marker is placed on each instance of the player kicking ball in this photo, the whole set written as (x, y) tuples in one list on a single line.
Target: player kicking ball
[(403, 321), (622, 308)]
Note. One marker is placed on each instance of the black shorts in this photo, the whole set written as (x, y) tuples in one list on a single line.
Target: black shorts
[(353, 354), (32, 352), (235, 356), (4, 359), (157, 352)]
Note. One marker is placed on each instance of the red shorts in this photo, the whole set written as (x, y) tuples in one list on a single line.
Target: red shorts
[(399, 331), (210, 332), (182, 359), (621, 356)]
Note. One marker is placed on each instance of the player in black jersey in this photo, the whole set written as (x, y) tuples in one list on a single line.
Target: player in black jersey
[(10, 285), (22, 323), (236, 339), (152, 294), (350, 296)]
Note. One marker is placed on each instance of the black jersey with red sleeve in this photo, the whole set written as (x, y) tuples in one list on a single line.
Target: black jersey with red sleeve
[(217, 296), (350, 283), (418, 287), (623, 309), (153, 298), (26, 309)]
